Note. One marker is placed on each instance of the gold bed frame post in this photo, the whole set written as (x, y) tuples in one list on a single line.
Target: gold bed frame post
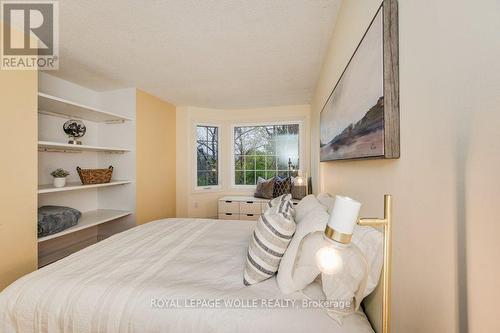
[(386, 222)]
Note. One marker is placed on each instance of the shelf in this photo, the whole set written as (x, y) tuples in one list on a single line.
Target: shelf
[(52, 105), (66, 147), (88, 220), (49, 188)]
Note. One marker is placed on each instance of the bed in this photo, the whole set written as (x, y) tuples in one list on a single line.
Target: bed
[(143, 280)]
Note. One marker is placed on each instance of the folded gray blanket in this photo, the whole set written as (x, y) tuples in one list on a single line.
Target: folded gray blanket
[(54, 219)]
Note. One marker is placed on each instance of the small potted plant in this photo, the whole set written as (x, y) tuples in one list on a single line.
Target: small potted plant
[(59, 177)]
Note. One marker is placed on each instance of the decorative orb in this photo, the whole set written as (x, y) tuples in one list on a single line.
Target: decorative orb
[(74, 128)]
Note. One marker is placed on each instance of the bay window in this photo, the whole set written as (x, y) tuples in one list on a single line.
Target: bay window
[(265, 151)]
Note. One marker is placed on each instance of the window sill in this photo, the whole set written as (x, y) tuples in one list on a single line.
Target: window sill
[(199, 190), (243, 188)]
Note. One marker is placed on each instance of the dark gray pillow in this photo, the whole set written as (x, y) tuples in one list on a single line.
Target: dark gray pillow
[(265, 188), (282, 186), (54, 219)]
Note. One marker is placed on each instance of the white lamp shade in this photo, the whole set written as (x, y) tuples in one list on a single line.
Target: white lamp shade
[(344, 214)]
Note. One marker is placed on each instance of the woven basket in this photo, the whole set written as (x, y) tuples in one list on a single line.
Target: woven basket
[(95, 176)]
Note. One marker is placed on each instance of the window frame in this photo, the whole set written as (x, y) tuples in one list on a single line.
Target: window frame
[(208, 188), (299, 122)]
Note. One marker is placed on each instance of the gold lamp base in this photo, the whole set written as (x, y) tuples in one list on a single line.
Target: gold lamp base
[(386, 222), (337, 236)]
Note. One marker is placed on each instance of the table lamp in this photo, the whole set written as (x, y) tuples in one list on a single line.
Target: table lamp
[(299, 189), (342, 266)]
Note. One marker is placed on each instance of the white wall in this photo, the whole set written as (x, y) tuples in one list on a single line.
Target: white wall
[(446, 183), (122, 102), (191, 203)]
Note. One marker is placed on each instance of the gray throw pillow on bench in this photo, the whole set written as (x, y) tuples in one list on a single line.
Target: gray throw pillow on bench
[(265, 188), (54, 219)]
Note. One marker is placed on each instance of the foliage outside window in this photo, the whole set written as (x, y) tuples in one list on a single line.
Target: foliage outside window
[(207, 155), (265, 151)]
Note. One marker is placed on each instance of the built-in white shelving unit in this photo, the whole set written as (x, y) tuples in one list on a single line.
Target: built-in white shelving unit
[(71, 148), (53, 105), (109, 141), (49, 188), (88, 220)]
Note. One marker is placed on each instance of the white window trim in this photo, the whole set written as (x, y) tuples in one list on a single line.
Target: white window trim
[(210, 188), (302, 161)]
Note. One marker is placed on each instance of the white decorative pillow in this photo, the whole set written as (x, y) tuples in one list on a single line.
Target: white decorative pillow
[(326, 200), (305, 270), (369, 240), (272, 234), (371, 243), (315, 220), (305, 206), (347, 287), (352, 284)]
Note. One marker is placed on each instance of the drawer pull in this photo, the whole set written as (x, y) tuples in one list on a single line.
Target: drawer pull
[(229, 213), (249, 214), (250, 202), (228, 201)]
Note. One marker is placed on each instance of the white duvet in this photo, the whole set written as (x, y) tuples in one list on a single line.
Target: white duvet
[(142, 280)]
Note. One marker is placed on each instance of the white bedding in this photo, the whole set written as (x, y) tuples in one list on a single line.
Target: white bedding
[(109, 287)]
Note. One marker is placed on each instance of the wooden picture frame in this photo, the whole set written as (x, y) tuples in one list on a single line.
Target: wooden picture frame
[(370, 130)]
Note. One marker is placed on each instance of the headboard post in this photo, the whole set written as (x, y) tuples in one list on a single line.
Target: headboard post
[(386, 223)]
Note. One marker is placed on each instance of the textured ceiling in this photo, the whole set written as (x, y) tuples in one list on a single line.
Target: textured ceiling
[(220, 54)]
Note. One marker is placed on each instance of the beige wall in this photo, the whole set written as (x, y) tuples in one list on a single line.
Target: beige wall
[(446, 183), (155, 158), (18, 174), (191, 203)]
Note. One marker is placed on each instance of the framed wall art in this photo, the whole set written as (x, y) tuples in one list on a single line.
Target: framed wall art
[(360, 119)]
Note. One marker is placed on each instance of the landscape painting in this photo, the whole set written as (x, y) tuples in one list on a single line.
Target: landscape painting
[(352, 120)]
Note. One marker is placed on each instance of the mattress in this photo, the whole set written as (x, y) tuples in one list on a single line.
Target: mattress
[(172, 275)]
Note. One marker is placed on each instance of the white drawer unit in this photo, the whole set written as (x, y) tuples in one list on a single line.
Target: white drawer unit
[(250, 207), (229, 206), (249, 217), (229, 216), (241, 207), (238, 207)]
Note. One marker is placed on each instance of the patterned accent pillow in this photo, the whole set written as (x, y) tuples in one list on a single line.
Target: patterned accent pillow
[(265, 188), (282, 186), (271, 237)]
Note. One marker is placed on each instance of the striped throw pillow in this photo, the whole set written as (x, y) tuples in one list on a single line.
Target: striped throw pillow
[(272, 234), (282, 198)]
